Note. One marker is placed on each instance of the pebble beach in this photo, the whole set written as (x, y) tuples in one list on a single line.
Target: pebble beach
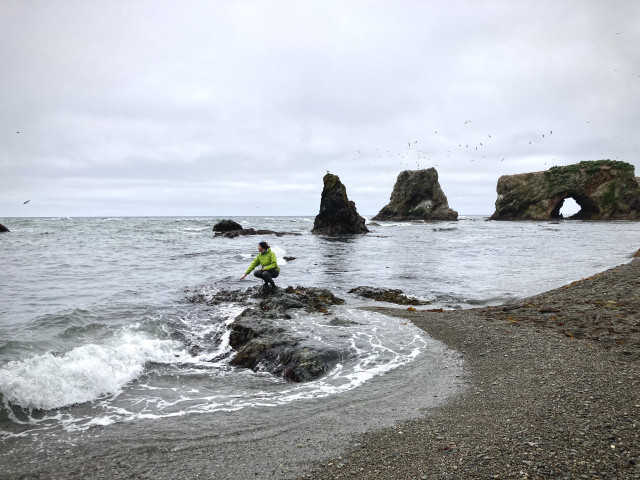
[(554, 392)]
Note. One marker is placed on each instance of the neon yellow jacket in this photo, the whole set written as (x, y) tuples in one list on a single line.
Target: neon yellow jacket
[(267, 259)]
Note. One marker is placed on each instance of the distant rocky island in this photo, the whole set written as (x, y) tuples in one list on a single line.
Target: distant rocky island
[(232, 229), (604, 190), (417, 195), (338, 215)]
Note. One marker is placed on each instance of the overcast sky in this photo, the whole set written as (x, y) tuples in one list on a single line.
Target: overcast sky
[(240, 107)]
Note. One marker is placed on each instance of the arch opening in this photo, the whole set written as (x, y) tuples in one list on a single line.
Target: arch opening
[(567, 208)]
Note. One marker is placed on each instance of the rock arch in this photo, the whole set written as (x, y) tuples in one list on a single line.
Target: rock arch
[(604, 189)]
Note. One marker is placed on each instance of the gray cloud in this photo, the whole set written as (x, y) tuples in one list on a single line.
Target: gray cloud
[(231, 108)]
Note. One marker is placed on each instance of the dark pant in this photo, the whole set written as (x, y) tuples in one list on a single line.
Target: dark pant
[(268, 275)]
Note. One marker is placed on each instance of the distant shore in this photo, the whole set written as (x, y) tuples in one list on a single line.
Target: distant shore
[(555, 392)]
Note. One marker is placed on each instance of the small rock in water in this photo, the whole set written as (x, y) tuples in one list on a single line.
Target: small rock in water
[(226, 226), (387, 295)]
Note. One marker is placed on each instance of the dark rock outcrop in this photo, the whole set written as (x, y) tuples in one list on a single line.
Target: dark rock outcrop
[(338, 215), (3, 229), (387, 295), (261, 343), (604, 189), (417, 195), (262, 346), (226, 226)]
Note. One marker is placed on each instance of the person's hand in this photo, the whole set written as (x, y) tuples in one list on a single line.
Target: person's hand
[(243, 276)]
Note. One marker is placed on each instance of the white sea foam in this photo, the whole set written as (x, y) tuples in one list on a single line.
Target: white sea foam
[(193, 229), (83, 374), (280, 253)]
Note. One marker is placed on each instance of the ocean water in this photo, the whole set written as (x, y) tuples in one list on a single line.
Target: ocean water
[(96, 328)]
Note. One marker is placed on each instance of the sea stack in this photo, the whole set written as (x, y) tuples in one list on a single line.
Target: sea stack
[(417, 195), (604, 189), (3, 228), (338, 215)]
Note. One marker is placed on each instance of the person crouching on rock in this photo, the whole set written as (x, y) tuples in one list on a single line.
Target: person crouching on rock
[(270, 270)]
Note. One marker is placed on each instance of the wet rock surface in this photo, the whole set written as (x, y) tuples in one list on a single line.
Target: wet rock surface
[(417, 195), (261, 344), (604, 189), (387, 295), (3, 229), (251, 231), (338, 215)]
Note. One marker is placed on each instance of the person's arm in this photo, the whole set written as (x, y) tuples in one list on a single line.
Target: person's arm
[(253, 265)]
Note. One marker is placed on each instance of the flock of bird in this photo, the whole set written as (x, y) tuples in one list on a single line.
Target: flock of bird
[(413, 154)]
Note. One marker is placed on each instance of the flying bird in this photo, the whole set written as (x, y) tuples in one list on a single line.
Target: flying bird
[(24, 203)]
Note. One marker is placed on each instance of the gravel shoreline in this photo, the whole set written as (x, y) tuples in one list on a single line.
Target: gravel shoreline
[(554, 392)]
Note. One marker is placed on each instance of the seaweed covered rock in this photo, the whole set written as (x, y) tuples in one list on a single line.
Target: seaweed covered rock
[(3, 229), (604, 190), (338, 215), (417, 195), (226, 226), (387, 295)]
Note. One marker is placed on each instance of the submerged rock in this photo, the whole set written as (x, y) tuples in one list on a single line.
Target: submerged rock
[(338, 215), (604, 189), (3, 229), (387, 295), (342, 322), (417, 195)]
